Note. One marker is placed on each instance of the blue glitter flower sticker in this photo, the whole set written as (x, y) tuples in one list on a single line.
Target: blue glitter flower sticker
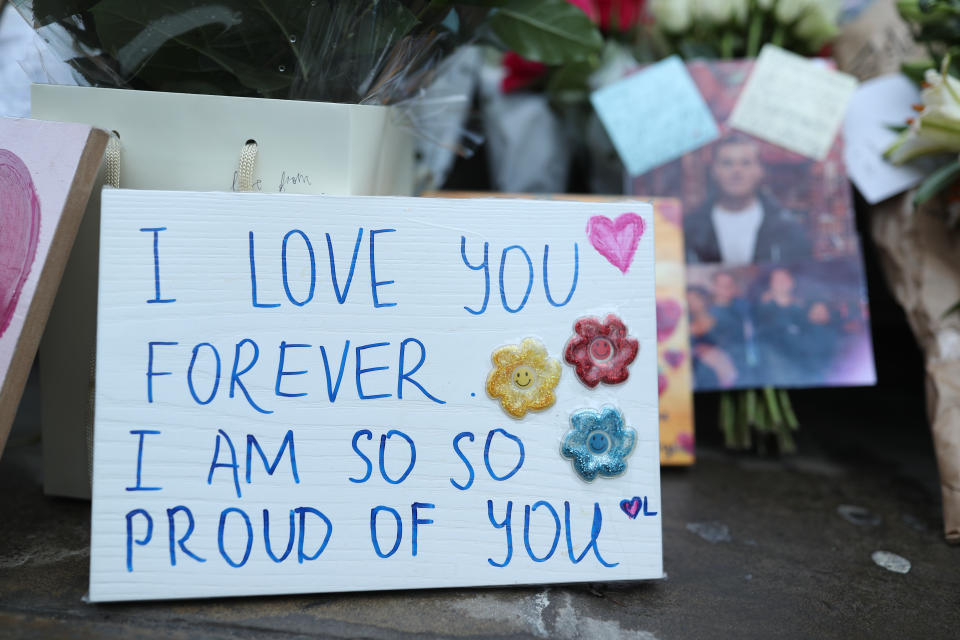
[(599, 443)]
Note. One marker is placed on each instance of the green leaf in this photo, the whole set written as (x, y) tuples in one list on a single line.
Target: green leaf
[(937, 182), (955, 308), (915, 69), (548, 31), (569, 82)]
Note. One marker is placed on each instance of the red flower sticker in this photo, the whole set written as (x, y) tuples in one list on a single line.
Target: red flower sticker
[(601, 350)]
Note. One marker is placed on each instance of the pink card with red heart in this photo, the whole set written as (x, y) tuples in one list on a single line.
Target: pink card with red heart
[(46, 173)]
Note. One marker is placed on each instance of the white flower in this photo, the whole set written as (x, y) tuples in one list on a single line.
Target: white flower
[(786, 11), (719, 11), (937, 127), (673, 16), (818, 23)]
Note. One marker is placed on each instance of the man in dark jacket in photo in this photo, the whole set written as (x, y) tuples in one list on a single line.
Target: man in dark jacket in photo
[(742, 225)]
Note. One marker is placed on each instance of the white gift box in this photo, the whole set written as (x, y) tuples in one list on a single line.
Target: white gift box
[(191, 142)]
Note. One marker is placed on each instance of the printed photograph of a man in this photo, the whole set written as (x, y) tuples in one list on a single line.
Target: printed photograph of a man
[(741, 222)]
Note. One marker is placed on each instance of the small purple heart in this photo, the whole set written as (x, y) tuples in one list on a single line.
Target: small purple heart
[(631, 507), (674, 357)]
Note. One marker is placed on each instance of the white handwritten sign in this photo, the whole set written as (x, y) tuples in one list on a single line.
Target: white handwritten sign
[(311, 393)]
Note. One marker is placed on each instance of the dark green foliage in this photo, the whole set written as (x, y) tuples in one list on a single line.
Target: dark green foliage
[(377, 51)]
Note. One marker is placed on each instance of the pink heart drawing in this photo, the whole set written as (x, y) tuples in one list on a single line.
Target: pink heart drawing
[(19, 231), (669, 210), (616, 240), (669, 313), (631, 507), (685, 441), (674, 357)]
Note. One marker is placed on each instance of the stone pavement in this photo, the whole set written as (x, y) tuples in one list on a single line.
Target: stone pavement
[(753, 548)]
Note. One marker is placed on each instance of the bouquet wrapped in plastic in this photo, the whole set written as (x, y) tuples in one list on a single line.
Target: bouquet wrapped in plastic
[(369, 52)]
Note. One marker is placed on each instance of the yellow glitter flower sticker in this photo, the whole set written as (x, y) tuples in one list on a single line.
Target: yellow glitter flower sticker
[(524, 377)]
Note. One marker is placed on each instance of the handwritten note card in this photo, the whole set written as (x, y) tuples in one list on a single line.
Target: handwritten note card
[(877, 105), (655, 115), (793, 102), (310, 393)]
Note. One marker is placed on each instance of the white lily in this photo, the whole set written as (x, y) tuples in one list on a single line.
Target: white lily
[(936, 128), (787, 11), (719, 11), (674, 16), (818, 23)]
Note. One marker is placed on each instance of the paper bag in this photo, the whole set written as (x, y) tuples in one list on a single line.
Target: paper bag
[(191, 142)]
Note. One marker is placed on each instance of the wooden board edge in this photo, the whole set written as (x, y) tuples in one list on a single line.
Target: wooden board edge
[(48, 282)]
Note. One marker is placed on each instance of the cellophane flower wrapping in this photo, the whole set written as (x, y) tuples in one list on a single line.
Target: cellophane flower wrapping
[(363, 52)]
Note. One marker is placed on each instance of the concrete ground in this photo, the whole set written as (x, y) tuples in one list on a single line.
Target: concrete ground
[(753, 548)]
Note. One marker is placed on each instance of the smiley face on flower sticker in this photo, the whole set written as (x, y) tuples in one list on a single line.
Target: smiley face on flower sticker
[(601, 350), (523, 377), (598, 443)]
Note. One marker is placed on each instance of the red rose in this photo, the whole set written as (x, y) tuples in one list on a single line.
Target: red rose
[(521, 73), (619, 15), (601, 351)]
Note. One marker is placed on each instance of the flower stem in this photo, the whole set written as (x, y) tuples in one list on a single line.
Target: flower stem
[(753, 35), (787, 407), (767, 411), (778, 36), (728, 420), (772, 406), (726, 45)]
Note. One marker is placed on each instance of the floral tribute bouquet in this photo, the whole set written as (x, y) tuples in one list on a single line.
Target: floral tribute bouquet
[(936, 127), (618, 23), (536, 110), (738, 340), (738, 28), (374, 52), (637, 32), (918, 236), (692, 28)]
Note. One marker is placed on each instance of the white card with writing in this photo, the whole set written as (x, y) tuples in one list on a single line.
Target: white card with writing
[(793, 102), (318, 393), (879, 104)]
